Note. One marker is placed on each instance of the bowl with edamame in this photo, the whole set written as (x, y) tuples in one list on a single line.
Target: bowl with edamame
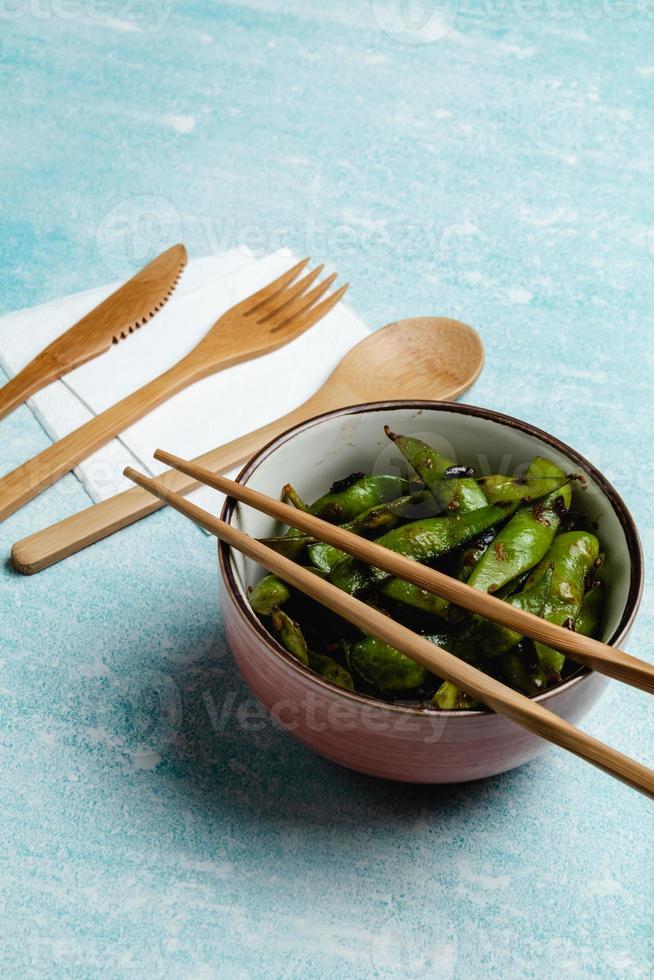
[(481, 496)]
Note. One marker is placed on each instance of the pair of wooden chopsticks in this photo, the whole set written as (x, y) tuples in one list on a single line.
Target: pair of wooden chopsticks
[(502, 699)]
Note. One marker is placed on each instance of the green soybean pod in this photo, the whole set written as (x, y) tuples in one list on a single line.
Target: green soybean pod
[(489, 639), (290, 636), (522, 543), (346, 500), (572, 557), (542, 478), (421, 541), (383, 517), (408, 594), (529, 678), (472, 554), (438, 473), (331, 670), (290, 494), (268, 594), (449, 697), (591, 615), (384, 667)]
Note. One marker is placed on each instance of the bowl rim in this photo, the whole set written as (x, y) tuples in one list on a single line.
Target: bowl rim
[(634, 547)]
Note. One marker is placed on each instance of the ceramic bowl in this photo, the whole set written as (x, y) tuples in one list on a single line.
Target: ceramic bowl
[(370, 736)]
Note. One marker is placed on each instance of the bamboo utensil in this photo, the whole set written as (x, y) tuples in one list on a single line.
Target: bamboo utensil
[(424, 357), (270, 318), (502, 699), (127, 309)]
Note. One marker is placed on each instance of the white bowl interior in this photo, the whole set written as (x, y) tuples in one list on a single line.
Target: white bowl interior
[(332, 448)]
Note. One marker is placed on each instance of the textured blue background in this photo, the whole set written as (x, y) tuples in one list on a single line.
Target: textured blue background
[(501, 174)]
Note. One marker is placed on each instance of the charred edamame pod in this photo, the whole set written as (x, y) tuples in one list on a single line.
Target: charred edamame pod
[(591, 614), (449, 697), (290, 494), (413, 596), (488, 639), (375, 520), (269, 594), (384, 667), (452, 486), (331, 670), (523, 674), (290, 636), (541, 478), (521, 543), (346, 500), (571, 559), (421, 541)]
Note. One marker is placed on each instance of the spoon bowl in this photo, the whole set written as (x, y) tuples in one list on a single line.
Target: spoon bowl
[(422, 357)]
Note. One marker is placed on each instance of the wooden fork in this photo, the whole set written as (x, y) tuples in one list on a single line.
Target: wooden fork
[(270, 318)]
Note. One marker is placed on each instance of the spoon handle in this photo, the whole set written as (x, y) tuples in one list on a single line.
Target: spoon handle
[(52, 544)]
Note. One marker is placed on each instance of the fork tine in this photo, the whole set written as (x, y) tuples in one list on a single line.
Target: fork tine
[(250, 304), (296, 325), (287, 311), (281, 299)]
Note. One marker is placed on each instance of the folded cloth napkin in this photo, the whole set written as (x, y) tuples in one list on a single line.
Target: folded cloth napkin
[(210, 412)]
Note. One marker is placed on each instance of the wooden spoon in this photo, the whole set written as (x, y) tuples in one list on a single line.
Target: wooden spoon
[(420, 358)]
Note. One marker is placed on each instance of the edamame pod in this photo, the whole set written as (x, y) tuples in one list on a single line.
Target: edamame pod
[(471, 556), (440, 475), (412, 595), (449, 697), (376, 520), (324, 556), (268, 594), (421, 541), (384, 667), (290, 636), (290, 494), (571, 558), (542, 477), (530, 678), (489, 639), (591, 615), (271, 592), (408, 594), (331, 671), (522, 542), (345, 500)]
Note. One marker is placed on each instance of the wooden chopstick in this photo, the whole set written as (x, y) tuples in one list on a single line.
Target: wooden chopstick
[(502, 699), (584, 650)]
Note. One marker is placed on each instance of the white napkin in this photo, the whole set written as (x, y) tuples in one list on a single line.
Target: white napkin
[(210, 412)]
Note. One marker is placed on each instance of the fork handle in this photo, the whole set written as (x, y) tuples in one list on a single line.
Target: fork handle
[(44, 548), (28, 480)]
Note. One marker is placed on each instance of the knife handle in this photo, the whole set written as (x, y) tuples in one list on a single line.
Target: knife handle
[(36, 375), (44, 548)]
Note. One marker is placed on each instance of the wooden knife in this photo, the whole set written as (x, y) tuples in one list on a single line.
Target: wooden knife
[(115, 318)]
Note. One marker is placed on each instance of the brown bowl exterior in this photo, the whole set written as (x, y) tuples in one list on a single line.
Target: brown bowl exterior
[(392, 741)]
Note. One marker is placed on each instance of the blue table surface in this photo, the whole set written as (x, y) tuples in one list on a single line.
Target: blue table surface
[(494, 165)]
